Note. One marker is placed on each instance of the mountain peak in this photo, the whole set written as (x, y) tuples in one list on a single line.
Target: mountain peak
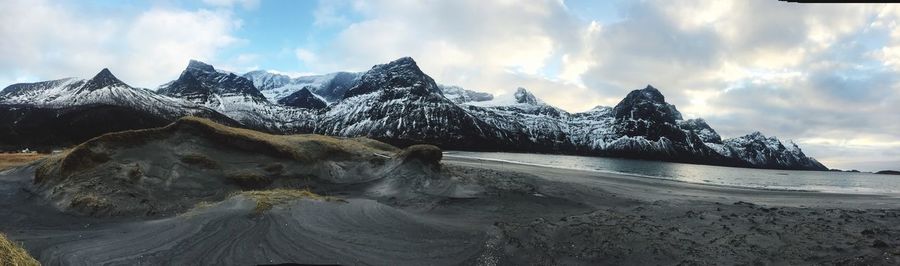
[(198, 65), (401, 74), (303, 98), (104, 73), (647, 103), (103, 79), (523, 96), (403, 63), (652, 94), (756, 135), (404, 60)]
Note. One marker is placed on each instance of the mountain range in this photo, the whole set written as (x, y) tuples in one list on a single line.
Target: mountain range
[(395, 102)]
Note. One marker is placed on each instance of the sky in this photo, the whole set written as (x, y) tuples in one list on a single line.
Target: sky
[(822, 75)]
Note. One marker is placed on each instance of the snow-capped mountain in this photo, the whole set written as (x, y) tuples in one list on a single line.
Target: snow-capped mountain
[(523, 113), (266, 81), (592, 130), (642, 125), (49, 114), (646, 126), (768, 152), (329, 87), (699, 126), (303, 99), (460, 95), (202, 84), (103, 89), (237, 98), (394, 102), (399, 103)]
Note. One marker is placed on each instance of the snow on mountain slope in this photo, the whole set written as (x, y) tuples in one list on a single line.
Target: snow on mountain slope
[(398, 103), (330, 87), (460, 95), (264, 80), (104, 88), (237, 98), (592, 130), (702, 129), (546, 126), (647, 126), (769, 152)]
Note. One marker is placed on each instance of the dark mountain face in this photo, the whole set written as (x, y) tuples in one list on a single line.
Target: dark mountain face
[(702, 129), (394, 102), (401, 76), (303, 99), (647, 104), (769, 152), (22, 89), (398, 103), (334, 89), (646, 113), (646, 126), (200, 66), (523, 96), (102, 80), (201, 83)]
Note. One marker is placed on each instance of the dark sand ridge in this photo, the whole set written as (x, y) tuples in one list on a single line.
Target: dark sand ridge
[(167, 170), (407, 209)]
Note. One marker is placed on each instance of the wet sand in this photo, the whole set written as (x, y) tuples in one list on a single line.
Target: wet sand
[(479, 212)]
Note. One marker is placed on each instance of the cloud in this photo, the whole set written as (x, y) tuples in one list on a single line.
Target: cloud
[(493, 46), (804, 72), (246, 4), (819, 74), (52, 40), (305, 55)]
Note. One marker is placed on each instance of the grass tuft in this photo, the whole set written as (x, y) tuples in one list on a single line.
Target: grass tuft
[(247, 180), (10, 160), (266, 199), (13, 254), (90, 202)]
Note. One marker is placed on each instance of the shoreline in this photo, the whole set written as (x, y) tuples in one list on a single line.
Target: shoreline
[(819, 189), (510, 214), (794, 198)]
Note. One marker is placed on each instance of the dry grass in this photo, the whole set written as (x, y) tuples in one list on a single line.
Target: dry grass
[(10, 160), (247, 180), (199, 206), (91, 203), (13, 254), (199, 160), (266, 199), (301, 148)]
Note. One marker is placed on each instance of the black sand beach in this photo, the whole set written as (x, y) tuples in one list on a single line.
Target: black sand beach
[(497, 214)]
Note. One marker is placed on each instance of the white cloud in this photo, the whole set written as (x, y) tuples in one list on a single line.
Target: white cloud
[(246, 4), (164, 40), (791, 70), (493, 46), (328, 13), (305, 55), (49, 40)]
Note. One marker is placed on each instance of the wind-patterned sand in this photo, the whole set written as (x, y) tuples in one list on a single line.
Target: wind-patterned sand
[(521, 217)]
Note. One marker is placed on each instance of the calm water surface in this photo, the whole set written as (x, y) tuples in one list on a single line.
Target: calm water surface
[(840, 182)]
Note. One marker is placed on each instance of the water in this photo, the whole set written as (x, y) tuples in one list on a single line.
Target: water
[(838, 182)]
